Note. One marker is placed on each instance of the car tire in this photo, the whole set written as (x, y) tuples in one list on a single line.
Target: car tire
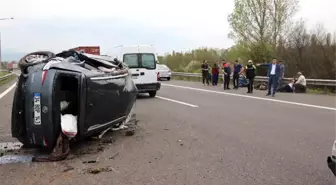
[(23, 64), (168, 78), (152, 94)]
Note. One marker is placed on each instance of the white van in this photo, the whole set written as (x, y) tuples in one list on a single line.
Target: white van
[(142, 60)]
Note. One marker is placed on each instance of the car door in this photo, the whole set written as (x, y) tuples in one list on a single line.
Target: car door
[(132, 60), (104, 102), (148, 72)]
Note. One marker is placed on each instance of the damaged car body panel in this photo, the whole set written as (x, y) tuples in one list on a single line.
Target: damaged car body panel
[(331, 160), (98, 92)]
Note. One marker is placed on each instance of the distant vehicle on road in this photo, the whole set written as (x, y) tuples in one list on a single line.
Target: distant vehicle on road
[(12, 66), (95, 92), (142, 61), (163, 71), (94, 50)]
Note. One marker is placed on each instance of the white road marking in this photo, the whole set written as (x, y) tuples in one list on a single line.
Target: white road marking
[(175, 101), (7, 91), (252, 97)]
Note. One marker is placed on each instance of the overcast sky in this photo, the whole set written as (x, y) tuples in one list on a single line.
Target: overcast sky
[(168, 24)]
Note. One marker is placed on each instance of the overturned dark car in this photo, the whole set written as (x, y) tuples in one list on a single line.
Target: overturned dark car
[(331, 160), (69, 95)]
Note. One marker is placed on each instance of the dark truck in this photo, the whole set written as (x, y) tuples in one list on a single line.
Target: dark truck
[(99, 92), (94, 50)]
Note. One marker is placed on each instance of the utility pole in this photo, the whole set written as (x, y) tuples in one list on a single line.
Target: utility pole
[(3, 19), (0, 52)]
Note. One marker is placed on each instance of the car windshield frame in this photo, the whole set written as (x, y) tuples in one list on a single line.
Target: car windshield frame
[(140, 60)]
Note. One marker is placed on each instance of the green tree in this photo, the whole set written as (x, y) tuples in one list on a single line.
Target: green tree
[(258, 24)]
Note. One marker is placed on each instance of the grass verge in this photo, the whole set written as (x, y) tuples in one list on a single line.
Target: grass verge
[(3, 73), (7, 80)]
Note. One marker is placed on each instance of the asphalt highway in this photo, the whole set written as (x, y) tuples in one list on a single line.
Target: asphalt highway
[(195, 134)]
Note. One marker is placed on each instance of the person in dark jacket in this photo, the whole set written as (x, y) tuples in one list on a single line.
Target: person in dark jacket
[(215, 73), (227, 73), (250, 72), (273, 74), (205, 72), (236, 71)]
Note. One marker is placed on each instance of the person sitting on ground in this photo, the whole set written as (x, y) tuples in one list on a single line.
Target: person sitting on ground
[(288, 87), (262, 86), (300, 84)]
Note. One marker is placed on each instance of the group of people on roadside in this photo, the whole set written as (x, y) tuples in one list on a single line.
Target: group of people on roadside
[(235, 71), (275, 74)]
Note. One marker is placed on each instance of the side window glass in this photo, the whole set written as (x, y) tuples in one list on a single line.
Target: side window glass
[(148, 61), (131, 60)]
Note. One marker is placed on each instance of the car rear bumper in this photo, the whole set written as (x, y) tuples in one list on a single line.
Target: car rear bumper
[(148, 87), (164, 75), (331, 160)]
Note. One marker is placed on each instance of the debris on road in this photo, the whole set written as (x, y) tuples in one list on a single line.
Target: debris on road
[(129, 132), (115, 155), (89, 162), (60, 151), (108, 140), (6, 159), (68, 169), (98, 170), (180, 142), (10, 146)]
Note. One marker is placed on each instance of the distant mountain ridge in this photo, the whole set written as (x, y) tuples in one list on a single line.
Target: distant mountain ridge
[(10, 55)]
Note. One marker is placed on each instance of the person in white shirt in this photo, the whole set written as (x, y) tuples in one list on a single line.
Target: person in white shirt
[(300, 84)]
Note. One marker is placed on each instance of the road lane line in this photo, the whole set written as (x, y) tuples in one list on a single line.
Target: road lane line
[(252, 97), (175, 101), (7, 91)]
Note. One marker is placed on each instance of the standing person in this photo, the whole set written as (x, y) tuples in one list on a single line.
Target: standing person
[(250, 72), (273, 74), (227, 73), (282, 73), (236, 71), (215, 72), (223, 64), (205, 72)]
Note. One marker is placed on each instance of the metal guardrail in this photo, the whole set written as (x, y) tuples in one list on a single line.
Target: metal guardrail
[(310, 82), (6, 76)]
